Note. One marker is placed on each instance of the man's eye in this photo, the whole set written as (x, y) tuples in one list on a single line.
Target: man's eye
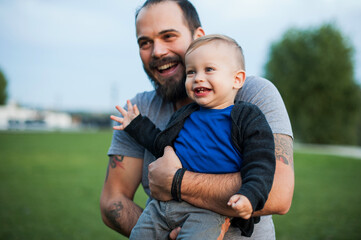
[(144, 44), (168, 36)]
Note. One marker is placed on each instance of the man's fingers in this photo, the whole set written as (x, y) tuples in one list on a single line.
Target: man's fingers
[(168, 150), (224, 228), (174, 233)]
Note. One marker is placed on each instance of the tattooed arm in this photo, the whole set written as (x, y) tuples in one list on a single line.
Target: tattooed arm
[(280, 197), (123, 177), (212, 191)]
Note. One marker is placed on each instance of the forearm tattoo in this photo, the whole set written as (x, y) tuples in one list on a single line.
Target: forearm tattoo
[(113, 214), (284, 149), (114, 161)]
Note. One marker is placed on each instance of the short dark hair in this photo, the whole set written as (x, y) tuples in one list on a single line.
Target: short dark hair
[(189, 12)]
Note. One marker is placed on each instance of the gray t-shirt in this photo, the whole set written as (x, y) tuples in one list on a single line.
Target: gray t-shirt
[(256, 90)]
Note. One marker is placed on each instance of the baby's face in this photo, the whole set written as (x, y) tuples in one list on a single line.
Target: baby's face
[(212, 75)]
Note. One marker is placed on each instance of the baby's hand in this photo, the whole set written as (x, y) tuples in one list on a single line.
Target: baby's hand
[(124, 121), (242, 206)]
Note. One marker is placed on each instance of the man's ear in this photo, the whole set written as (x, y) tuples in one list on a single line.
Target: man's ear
[(239, 79), (199, 32)]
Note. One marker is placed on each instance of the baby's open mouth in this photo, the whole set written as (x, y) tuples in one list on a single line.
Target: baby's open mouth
[(201, 90)]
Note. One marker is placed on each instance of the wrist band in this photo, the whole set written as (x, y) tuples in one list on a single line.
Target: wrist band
[(176, 184)]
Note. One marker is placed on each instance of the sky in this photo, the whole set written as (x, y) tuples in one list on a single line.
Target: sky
[(81, 55)]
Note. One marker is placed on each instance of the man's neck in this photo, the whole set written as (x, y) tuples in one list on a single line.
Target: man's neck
[(181, 103)]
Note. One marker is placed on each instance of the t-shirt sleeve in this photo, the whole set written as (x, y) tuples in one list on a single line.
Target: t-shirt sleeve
[(262, 93)]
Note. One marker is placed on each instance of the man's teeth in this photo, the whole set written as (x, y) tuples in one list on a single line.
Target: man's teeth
[(166, 66)]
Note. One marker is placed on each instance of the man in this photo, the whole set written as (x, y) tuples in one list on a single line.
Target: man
[(165, 28)]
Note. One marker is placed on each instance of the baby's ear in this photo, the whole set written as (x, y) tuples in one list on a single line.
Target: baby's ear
[(239, 79)]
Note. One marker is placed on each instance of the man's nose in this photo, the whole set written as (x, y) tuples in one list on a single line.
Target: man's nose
[(159, 49)]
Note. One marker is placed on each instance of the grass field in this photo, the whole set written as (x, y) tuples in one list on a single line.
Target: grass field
[(51, 182)]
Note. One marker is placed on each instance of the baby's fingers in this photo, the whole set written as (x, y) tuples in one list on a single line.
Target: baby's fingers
[(117, 119), (118, 127), (130, 107), (121, 110), (233, 199), (136, 110)]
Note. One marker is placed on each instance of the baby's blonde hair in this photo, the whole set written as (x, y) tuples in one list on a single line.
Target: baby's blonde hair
[(219, 38)]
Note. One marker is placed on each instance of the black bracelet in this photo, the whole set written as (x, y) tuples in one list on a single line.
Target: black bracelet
[(180, 177), (173, 190), (176, 184)]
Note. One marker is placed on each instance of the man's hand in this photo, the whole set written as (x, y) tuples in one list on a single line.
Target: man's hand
[(225, 226), (128, 116), (241, 205), (161, 173), (174, 233)]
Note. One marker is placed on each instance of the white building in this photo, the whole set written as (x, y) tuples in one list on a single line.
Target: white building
[(13, 116)]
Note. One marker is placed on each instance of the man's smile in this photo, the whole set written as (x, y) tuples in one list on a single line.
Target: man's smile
[(166, 66)]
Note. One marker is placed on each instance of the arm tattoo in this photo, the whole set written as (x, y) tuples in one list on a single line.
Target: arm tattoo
[(284, 149), (114, 161), (114, 213)]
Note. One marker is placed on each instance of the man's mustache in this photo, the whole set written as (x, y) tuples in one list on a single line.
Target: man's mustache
[(154, 63)]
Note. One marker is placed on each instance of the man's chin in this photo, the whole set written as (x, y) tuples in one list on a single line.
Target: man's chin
[(172, 93), (171, 90)]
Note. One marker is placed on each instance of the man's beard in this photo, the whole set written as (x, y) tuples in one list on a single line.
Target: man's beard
[(172, 90)]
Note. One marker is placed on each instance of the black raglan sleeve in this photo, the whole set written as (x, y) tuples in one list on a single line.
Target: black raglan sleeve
[(256, 144), (144, 131), (254, 139)]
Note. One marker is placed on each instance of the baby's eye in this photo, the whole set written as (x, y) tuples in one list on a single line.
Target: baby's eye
[(209, 69), (190, 72)]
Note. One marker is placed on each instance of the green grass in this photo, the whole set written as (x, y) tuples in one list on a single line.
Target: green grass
[(51, 182), (50, 185), (327, 198)]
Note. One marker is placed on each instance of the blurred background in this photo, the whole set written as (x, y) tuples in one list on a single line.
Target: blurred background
[(82, 56), (64, 65)]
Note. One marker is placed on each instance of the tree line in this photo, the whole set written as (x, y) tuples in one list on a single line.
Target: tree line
[(314, 71)]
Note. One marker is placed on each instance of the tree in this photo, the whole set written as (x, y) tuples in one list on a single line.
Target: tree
[(3, 84), (314, 72)]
